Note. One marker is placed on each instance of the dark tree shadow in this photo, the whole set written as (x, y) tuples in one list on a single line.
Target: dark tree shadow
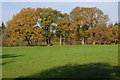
[(3, 63), (92, 70), (9, 56)]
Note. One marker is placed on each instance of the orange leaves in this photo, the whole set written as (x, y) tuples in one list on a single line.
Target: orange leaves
[(113, 33), (88, 16), (104, 33), (22, 26), (65, 24), (31, 25)]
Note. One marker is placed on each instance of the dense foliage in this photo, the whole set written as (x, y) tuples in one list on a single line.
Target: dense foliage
[(45, 26)]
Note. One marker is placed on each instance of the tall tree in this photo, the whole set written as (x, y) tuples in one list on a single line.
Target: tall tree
[(113, 34), (87, 17), (47, 19), (23, 26), (99, 34), (66, 28)]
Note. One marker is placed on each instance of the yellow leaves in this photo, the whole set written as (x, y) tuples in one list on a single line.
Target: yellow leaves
[(82, 22), (88, 16), (73, 35), (22, 27)]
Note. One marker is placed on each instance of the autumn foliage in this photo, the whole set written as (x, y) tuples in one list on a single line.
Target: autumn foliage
[(46, 26)]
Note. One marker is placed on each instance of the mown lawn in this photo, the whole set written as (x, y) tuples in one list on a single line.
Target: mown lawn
[(26, 61)]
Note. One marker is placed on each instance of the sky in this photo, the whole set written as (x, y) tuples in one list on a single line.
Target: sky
[(11, 8), (60, 0)]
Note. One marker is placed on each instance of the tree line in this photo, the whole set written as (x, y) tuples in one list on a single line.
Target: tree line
[(46, 26)]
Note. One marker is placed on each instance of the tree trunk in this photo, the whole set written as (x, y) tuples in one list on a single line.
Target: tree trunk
[(93, 42), (29, 43), (61, 41), (64, 41), (28, 40), (93, 35), (36, 42), (48, 41), (83, 41)]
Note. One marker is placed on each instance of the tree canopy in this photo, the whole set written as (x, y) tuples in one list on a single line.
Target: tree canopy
[(46, 26)]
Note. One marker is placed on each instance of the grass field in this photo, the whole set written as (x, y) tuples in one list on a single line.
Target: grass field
[(27, 61)]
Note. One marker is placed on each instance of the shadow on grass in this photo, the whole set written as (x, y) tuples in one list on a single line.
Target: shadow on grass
[(92, 70), (9, 56), (3, 63)]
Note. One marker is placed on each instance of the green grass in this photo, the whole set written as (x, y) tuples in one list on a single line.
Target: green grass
[(26, 61)]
